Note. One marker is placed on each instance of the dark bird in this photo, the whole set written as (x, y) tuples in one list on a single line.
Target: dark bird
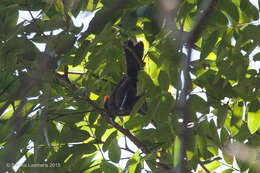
[(124, 96)]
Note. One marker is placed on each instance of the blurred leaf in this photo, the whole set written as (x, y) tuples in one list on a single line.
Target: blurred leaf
[(208, 44), (230, 8), (163, 80), (71, 135), (231, 128), (177, 151), (128, 21), (257, 57), (198, 104), (222, 115), (114, 151), (83, 163), (109, 140), (227, 171), (213, 165), (136, 121), (254, 121), (202, 146), (224, 136), (214, 133), (250, 10), (108, 167), (217, 18), (6, 113), (236, 118)]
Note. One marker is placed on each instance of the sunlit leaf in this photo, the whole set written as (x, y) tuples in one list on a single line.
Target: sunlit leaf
[(213, 165), (253, 121), (177, 151)]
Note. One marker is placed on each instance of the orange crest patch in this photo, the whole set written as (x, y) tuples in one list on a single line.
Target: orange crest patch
[(106, 98)]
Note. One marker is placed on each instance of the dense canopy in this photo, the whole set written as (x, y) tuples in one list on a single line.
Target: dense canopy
[(200, 83)]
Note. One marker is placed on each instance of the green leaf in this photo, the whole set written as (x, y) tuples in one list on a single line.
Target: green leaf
[(250, 32), (177, 152), (163, 109), (129, 163), (232, 129), (217, 18), (152, 166), (230, 8), (108, 167), (213, 165), (254, 105), (135, 168), (6, 111), (136, 121), (198, 104), (208, 44), (163, 80), (237, 114), (250, 10), (224, 136), (138, 105), (213, 133), (154, 107), (254, 121), (92, 117), (227, 171), (109, 140), (81, 53), (146, 134), (72, 134), (100, 130), (185, 9), (243, 133), (128, 21), (90, 5), (256, 57), (202, 146), (244, 165), (221, 115), (114, 151), (83, 162), (97, 60), (87, 148)]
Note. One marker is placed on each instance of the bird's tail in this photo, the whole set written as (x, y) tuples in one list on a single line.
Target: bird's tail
[(134, 55)]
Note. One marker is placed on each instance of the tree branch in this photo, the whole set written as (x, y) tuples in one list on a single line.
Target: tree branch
[(28, 85), (72, 87), (195, 34), (166, 14)]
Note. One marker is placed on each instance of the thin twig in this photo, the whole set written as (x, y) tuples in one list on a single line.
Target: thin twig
[(34, 20), (230, 166), (126, 146), (127, 149), (99, 110), (7, 86), (182, 102), (68, 114), (203, 166)]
